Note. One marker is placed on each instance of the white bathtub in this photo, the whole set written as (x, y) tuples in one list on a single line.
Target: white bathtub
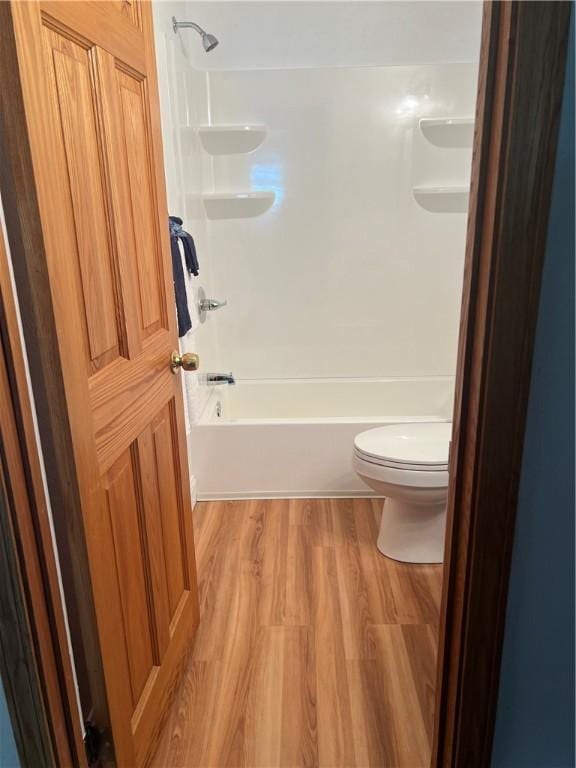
[(279, 439)]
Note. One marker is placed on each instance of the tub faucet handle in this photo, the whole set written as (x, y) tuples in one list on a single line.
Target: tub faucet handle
[(209, 305)]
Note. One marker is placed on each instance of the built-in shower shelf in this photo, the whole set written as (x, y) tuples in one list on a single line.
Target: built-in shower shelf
[(237, 205), (448, 131), (231, 139), (453, 199)]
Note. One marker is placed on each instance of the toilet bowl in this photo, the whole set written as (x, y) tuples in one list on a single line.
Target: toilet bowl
[(408, 465)]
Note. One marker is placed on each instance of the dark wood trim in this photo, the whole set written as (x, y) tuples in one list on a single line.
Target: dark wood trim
[(17, 656), (30, 273), (35, 657), (519, 99)]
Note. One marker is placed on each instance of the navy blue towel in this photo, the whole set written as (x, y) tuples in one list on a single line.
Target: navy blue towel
[(188, 243), (178, 234)]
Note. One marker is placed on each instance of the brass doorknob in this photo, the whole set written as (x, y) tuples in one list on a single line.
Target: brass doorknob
[(189, 361)]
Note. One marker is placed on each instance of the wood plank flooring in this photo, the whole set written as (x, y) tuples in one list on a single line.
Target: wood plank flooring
[(313, 649)]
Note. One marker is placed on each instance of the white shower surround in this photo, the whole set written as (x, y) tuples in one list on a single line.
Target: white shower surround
[(346, 275)]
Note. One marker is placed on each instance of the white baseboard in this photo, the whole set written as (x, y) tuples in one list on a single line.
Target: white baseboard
[(227, 496), (193, 490)]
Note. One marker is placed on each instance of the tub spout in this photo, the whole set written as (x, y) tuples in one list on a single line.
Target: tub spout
[(218, 378)]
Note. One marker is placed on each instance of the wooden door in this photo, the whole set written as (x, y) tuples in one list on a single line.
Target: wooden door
[(89, 90)]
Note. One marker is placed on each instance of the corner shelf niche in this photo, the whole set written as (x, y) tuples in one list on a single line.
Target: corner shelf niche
[(231, 139), (237, 205), (448, 131), (453, 199)]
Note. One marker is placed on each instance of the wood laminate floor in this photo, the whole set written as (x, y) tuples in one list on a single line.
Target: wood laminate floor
[(313, 649)]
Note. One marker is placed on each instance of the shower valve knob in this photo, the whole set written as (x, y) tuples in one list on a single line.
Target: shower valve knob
[(209, 305)]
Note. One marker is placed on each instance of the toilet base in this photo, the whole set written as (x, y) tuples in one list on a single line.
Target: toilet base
[(412, 533)]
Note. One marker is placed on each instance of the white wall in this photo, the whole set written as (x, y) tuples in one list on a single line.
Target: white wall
[(268, 34), (346, 275), (184, 106)]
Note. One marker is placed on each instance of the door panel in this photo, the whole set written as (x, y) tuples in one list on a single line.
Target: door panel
[(123, 496), (131, 10), (154, 532), (78, 123), (136, 132), (174, 542), (88, 79)]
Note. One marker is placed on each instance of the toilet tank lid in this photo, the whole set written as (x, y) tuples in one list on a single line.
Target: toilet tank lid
[(413, 443)]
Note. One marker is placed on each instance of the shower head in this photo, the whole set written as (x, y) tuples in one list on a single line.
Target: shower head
[(208, 41)]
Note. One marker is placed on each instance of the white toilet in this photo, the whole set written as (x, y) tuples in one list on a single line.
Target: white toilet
[(408, 464)]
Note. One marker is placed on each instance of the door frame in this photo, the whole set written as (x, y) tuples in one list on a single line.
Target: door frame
[(520, 89), (35, 659), (520, 84)]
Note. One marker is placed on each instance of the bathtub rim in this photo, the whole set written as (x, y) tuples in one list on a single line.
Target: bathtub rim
[(217, 392)]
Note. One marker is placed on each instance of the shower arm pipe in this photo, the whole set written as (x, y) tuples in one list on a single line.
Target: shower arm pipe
[(176, 25)]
